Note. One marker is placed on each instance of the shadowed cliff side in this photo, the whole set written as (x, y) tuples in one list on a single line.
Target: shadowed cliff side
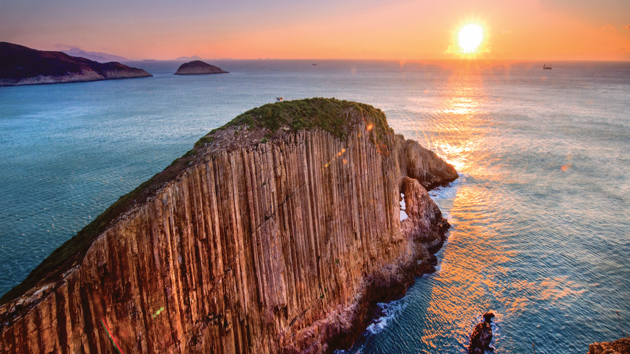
[(277, 233)]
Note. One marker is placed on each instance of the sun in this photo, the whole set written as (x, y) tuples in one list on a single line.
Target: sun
[(470, 37)]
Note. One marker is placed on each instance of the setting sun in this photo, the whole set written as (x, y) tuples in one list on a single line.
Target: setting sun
[(470, 37)]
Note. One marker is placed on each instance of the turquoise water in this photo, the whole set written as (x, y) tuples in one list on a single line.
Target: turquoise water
[(540, 212)]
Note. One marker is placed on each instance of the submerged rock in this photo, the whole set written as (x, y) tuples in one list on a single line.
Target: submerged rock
[(482, 336), (277, 233), (198, 67)]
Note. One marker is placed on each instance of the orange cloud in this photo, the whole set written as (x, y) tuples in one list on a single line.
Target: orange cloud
[(393, 29)]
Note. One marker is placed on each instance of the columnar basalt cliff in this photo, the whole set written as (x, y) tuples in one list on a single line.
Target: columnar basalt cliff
[(276, 234), (20, 65)]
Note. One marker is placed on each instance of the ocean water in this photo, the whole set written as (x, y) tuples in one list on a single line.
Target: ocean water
[(540, 235)]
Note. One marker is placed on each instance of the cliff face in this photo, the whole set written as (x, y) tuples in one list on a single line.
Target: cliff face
[(198, 67), (280, 246), (24, 66)]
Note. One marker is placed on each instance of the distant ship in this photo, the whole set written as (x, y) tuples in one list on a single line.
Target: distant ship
[(314, 64), (545, 67), (279, 99)]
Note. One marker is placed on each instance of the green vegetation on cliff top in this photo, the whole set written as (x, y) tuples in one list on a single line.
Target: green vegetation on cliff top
[(334, 116)]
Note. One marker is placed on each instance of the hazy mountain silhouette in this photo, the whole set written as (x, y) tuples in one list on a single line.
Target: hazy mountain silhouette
[(96, 56), (194, 57)]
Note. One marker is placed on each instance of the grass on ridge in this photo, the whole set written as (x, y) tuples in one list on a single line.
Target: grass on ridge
[(330, 114)]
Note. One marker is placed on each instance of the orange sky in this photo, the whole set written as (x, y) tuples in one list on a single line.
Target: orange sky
[(352, 29)]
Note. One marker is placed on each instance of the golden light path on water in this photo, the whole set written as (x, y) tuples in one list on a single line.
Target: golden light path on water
[(461, 140), (474, 274)]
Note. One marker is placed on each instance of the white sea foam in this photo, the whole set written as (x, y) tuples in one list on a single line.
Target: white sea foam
[(449, 191), (390, 311), (403, 207)]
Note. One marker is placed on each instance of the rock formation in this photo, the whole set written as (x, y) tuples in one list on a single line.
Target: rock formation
[(277, 233), (20, 65), (482, 336), (620, 346), (198, 67)]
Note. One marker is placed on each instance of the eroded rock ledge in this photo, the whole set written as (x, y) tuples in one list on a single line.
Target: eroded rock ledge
[(277, 233)]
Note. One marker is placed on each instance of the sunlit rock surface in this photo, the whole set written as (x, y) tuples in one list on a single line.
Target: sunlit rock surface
[(620, 346), (254, 245)]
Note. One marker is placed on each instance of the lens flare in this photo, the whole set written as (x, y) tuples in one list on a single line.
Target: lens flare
[(470, 37)]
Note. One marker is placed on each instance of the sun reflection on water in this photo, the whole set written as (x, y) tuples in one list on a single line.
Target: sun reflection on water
[(458, 134), (475, 273)]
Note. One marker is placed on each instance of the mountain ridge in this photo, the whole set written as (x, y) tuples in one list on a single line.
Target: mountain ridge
[(20, 65)]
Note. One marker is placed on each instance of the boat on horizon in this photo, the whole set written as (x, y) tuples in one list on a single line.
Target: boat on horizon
[(545, 67)]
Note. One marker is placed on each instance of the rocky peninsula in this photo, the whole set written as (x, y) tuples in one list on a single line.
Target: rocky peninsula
[(20, 65), (276, 233), (198, 67)]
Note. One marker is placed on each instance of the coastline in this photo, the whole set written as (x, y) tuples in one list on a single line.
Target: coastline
[(72, 81)]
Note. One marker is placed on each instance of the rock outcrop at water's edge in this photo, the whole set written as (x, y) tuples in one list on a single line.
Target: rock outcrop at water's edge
[(620, 346), (275, 234), (20, 65)]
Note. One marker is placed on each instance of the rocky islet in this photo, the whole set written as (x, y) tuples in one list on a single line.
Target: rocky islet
[(198, 67)]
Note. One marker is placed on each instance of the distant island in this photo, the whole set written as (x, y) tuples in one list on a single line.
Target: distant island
[(194, 57), (20, 65), (198, 67)]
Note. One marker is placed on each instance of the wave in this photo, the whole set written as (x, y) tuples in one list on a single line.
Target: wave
[(390, 311)]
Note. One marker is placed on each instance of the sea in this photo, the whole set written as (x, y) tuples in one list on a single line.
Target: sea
[(540, 214)]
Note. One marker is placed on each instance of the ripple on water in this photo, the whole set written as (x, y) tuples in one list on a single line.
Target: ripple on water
[(540, 228)]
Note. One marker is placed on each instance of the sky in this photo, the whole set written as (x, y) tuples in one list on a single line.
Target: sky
[(324, 29)]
